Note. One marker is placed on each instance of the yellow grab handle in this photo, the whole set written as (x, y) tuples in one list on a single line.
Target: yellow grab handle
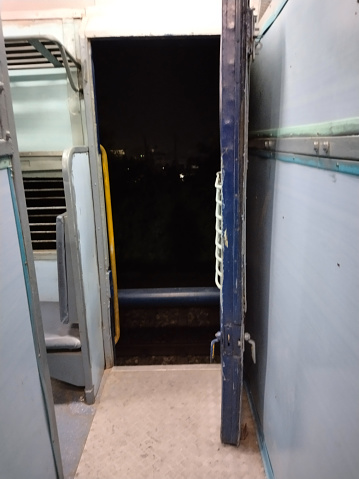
[(111, 240)]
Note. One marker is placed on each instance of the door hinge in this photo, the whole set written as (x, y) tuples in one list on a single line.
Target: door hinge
[(252, 32), (252, 29)]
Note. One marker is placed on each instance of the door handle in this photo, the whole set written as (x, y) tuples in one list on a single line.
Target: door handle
[(213, 343)]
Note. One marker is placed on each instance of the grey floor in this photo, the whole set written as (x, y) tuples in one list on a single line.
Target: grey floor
[(74, 418), (163, 422)]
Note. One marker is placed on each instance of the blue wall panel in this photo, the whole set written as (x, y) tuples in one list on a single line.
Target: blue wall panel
[(303, 303), (306, 74), (25, 442)]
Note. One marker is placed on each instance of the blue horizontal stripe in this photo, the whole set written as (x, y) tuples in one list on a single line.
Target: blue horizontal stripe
[(330, 164)]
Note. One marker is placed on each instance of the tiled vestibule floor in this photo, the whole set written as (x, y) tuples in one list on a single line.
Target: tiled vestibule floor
[(163, 422)]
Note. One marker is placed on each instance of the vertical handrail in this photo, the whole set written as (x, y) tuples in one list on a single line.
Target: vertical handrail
[(218, 237), (111, 241)]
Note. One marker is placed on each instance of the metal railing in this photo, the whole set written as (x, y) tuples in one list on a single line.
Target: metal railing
[(218, 236)]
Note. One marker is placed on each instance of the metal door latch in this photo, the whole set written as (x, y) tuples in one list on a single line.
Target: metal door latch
[(247, 337), (213, 342)]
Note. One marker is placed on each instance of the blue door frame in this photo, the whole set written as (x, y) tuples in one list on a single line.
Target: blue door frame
[(236, 33)]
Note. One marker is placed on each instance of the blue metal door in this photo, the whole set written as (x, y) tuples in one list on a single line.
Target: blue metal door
[(237, 34)]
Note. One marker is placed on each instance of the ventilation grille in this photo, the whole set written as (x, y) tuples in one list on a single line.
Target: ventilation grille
[(45, 200), (41, 52), (36, 53)]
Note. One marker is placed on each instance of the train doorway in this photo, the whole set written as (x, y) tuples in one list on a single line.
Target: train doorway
[(157, 104)]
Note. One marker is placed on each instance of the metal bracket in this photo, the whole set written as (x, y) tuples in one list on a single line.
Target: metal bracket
[(321, 147), (336, 147), (251, 33), (247, 337), (269, 145), (326, 147), (255, 7)]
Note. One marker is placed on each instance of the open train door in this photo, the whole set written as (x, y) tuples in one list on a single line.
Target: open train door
[(236, 50)]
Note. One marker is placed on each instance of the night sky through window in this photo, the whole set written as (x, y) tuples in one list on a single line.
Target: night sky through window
[(158, 113)]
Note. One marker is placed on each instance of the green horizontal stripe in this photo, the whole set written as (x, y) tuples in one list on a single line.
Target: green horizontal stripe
[(347, 126), (273, 17)]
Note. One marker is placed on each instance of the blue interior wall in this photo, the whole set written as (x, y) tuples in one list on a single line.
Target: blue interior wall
[(25, 445), (305, 76), (303, 279), (302, 234)]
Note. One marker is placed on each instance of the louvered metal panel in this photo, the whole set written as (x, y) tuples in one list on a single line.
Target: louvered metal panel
[(40, 52), (45, 200), (34, 54)]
